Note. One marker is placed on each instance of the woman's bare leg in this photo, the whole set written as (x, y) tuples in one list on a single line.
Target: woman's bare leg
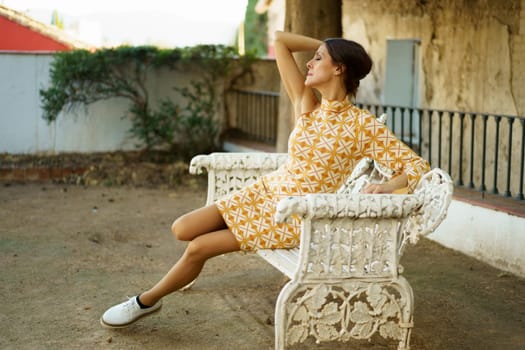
[(201, 247), (200, 221)]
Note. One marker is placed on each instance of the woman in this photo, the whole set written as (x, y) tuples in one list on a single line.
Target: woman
[(329, 137)]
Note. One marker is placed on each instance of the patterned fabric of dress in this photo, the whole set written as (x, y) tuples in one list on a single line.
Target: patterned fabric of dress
[(323, 149)]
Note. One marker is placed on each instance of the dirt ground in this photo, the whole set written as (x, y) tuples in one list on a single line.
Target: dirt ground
[(67, 252)]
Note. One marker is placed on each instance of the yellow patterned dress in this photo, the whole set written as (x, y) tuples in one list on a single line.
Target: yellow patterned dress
[(323, 149)]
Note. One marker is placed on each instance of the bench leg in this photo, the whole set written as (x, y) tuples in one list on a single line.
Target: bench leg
[(344, 310), (280, 315), (406, 318)]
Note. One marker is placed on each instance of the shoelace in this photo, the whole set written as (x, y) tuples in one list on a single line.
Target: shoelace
[(130, 304)]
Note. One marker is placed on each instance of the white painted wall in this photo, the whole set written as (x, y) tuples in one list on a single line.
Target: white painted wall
[(99, 127), (494, 237)]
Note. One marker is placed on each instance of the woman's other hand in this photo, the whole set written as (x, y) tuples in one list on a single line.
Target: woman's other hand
[(377, 188), (397, 185)]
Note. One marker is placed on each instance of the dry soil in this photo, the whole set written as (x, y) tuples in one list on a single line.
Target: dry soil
[(68, 252)]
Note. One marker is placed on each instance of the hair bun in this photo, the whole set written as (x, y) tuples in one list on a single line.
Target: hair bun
[(354, 57)]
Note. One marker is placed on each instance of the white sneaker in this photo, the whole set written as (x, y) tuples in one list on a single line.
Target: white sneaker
[(124, 314)]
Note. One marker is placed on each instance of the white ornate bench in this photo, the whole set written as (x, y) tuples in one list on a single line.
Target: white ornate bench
[(345, 278)]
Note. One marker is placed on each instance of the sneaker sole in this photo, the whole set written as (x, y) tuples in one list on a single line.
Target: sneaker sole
[(107, 325)]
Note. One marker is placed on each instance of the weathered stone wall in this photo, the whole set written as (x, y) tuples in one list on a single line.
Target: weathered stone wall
[(472, 59), (472, 51), (264, 76)]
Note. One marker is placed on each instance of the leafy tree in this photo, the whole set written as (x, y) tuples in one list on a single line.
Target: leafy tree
[(255, 30)]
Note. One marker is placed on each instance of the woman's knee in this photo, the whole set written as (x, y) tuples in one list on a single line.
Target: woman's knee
[(180, 229), (197, 222), (196, 251)]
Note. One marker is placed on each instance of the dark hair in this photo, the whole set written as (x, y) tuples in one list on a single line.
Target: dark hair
[(355, 59)]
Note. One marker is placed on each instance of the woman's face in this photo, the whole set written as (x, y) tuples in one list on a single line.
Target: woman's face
[(321, 68)]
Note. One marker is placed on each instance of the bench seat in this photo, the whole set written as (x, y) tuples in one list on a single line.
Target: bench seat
[(284, 260)]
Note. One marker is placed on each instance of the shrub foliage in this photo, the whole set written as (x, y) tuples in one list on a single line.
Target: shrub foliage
[(82, 77)]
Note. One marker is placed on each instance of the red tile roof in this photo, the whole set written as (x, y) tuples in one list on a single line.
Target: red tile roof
[(23, 33)]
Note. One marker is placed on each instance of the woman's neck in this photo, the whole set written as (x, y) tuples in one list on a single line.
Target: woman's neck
[(334, 96), (332, 92)]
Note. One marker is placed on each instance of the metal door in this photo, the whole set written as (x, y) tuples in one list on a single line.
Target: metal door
[(401, 88)]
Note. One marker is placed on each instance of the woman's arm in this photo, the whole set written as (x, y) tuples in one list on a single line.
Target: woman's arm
[(285, 44), (376, 141)]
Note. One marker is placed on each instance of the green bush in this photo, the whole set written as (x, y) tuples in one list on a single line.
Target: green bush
[(82, 77)]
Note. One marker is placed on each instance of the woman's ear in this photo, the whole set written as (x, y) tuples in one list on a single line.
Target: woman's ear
[(340, 69)]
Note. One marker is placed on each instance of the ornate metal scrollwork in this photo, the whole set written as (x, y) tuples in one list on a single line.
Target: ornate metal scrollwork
[(354, 309)]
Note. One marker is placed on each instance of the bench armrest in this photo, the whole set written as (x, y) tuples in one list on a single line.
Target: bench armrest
[(348, 236), (355, 205), (265, 162), (424, 210), (364, 235), (436, 188), (228, 172)]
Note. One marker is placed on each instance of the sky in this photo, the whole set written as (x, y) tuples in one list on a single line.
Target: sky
[(158, 22)]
